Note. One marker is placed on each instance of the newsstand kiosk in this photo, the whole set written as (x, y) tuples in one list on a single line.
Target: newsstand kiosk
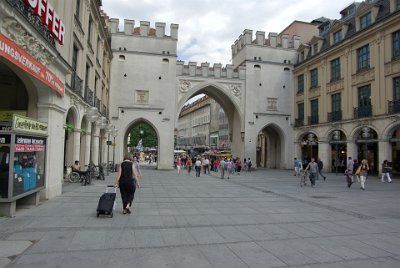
[(22, 162)]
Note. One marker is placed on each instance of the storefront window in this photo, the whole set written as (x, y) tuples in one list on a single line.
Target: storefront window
[(5, 140), (29, 163)]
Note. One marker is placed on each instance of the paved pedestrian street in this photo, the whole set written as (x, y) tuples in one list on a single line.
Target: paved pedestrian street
[(258, 219)]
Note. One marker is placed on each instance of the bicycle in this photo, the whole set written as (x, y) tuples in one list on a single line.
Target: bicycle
[(303, 177)]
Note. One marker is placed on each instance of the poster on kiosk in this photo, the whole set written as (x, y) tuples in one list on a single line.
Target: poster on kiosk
[(22, 157)]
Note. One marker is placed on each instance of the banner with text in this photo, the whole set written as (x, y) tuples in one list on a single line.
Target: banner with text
[(18, 56)]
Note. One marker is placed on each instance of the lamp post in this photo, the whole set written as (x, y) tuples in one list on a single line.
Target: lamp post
[(114, 133), (336, 137), (102, 124), (92, 116), (365, 134), (109, 127)]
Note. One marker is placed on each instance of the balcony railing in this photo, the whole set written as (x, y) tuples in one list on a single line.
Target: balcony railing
[(34, 20), (361, 112), (89, 96), (313, 119), (299, 122), (76, 84), (335, 116), (97, 103), (394, 107)]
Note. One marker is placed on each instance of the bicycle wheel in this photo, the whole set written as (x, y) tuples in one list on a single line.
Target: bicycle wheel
[(74, 177)]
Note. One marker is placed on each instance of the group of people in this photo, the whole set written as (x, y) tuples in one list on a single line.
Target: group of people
[(314, 168), (222, 165), (355, 171)]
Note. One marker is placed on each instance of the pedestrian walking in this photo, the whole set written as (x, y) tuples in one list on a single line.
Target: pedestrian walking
[(249, 164), (386, 171), (179, 165), (223, 167), (238, 165), (313, 167), (363, 173), (127, 180), (197, 166), (349, 172), (298, 166), (189, 165), (206, 166), (230, 167), (320, 166)]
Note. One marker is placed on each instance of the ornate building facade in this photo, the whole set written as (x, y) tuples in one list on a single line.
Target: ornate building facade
[(347, 88)]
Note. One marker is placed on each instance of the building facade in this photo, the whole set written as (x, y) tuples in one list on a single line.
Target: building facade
[(199, 125), (44, 48), (347, 84)]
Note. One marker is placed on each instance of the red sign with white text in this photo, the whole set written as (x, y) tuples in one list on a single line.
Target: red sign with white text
[(18, 56)]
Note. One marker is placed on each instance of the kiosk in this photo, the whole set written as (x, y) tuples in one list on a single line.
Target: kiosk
[(22, 162)]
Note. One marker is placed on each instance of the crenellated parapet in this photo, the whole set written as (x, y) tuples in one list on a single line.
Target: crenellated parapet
[(204, 70), (273, 41), (144, 29)]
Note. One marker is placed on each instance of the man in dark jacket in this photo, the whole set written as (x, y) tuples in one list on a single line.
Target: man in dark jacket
[(320, 166)]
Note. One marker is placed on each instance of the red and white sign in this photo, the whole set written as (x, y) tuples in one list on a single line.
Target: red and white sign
[(50, 18), (18, 56), (29, 148)]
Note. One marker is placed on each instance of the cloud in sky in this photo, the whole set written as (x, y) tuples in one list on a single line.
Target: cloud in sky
[(208, 28)]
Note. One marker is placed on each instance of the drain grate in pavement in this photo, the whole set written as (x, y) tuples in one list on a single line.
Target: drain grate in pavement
[(321, 196)]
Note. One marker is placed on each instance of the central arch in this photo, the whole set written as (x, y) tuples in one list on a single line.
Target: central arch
[(228, 102)]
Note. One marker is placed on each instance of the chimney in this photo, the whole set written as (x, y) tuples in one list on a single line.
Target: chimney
[(204, 69), (248, 35), (128, 26), (260, 38), (174, 31), (285, 41), (217, 70), (144, 28), (114, 25), (160, 29), (272, 39)]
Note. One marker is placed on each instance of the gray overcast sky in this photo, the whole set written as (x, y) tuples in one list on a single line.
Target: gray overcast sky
[(208, 28)]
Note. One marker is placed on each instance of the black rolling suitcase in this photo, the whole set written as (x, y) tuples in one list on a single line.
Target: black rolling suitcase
[(106, 204)]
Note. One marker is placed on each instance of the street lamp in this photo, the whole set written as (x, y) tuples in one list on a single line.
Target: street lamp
[(108, 129), (336, 138), (114, 133), (365, 134), (102, 124), (92, 116)]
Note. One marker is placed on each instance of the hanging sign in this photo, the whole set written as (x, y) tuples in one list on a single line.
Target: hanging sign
[(19, 57)]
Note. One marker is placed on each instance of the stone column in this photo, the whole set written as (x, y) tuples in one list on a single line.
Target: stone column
[(385, 153)]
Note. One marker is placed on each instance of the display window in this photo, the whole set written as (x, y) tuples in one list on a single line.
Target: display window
[(29, 163)]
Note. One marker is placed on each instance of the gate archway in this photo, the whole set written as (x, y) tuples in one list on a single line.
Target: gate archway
[(270, 147), (230, 103)]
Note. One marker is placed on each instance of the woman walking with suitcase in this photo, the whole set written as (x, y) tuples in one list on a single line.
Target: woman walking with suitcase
[(127, 180)]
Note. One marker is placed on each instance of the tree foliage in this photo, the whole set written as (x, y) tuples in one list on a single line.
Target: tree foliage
[(149, 136)]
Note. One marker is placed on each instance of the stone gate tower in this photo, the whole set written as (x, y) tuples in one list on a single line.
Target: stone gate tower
[(143, 74)]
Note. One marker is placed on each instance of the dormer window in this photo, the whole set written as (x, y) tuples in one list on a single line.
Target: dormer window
[(315, 48), (365, 20), (337, 36)]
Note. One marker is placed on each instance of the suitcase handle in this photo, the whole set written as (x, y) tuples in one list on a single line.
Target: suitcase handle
[(111, 186)]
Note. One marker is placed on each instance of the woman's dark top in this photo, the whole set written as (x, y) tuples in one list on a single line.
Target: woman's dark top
[(126, 171)]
